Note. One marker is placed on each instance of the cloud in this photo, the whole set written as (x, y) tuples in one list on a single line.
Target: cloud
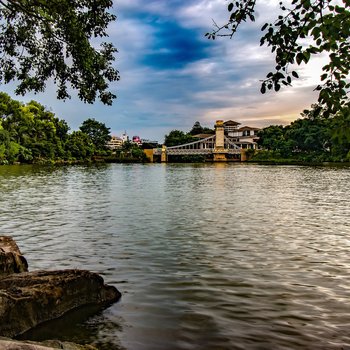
[(171, 75)]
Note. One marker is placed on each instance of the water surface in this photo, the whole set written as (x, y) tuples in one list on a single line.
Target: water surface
[(209, 256)]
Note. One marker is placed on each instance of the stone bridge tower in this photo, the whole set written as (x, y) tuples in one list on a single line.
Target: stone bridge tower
[(219, 149)]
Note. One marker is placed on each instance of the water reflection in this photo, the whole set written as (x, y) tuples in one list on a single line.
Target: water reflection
[(216, 256)]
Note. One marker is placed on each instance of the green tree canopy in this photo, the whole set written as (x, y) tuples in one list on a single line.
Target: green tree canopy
[(196, 128), (272, 137), (177, 137), (79, 145), (42, 39), (97, 131), (29, 131), (303, 28)]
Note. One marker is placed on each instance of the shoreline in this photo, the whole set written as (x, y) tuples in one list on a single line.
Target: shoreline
[(130, 161)]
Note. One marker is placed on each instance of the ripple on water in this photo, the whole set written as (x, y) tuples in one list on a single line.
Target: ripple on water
[(212, 256)]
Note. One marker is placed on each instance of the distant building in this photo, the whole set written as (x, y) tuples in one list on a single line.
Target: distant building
[(125, 137), (230, 126), (245, 137), (149, 142), (114, 143), (137, 140)]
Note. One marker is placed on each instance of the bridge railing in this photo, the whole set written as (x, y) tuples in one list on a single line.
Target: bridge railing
[(194, 143), (184, 152), (203, 146), (229, 144)]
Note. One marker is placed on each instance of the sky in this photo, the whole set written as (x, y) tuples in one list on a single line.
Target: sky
[(173, 76)]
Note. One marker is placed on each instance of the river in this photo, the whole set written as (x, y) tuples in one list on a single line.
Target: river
[(207, 256)]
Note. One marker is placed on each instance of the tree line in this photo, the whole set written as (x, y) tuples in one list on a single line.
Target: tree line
[(313, 138), (178, 137), (29, 133)]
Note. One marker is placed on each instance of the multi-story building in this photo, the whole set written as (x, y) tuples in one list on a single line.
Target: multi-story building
[(245, 136), (114, 143), (231, 126)]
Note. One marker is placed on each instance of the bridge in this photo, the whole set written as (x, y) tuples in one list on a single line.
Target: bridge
[(219, 147)]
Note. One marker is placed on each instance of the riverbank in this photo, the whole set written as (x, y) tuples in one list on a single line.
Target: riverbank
[(93, 160), (298, 162), (295, 158)]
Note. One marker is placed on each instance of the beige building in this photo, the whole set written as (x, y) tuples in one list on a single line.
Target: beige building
[(115, 143)]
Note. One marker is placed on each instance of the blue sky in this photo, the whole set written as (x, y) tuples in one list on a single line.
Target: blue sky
[(172, 76)]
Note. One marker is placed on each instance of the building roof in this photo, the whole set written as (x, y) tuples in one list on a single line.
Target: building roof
[(202, 136), (231, 123), (116, 138), (247, 128)]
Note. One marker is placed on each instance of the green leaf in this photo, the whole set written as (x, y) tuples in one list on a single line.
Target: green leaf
[(306, 56), (264, 27), (299, 58), (230, 7)]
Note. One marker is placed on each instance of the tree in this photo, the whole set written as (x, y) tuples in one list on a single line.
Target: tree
[(29, 131), (340, 135), (177, 137), (42, 39), (79, 145), (325, 24), (196, 129), (98, 132), (272, 138), (309, 135)]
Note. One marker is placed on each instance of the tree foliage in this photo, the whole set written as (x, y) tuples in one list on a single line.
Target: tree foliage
[(197, 128), (177, 137), (98, 132), (131, 152), (56, 39), (303, 29), (314, 137), (30, 133)]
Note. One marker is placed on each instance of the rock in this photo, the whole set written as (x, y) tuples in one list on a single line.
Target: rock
[(9, 344), (30, 298), (11, 259)]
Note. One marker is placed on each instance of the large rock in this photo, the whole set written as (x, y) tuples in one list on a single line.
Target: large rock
[(11, 259), (30, 298), (9, 344)]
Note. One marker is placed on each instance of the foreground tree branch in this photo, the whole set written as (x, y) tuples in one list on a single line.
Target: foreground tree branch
[(304, 28), (42, 39)]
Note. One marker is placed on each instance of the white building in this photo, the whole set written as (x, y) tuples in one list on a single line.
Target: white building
[(125, 137), (244, 137)]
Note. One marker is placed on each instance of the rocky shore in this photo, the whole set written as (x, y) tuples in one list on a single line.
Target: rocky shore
[(28, 299)]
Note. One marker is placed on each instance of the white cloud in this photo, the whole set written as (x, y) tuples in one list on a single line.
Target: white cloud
[(222, 85)]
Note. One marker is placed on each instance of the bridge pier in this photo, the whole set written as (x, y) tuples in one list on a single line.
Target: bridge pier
[(164, 155), (243, 155), (219, 152), (219, 157)]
